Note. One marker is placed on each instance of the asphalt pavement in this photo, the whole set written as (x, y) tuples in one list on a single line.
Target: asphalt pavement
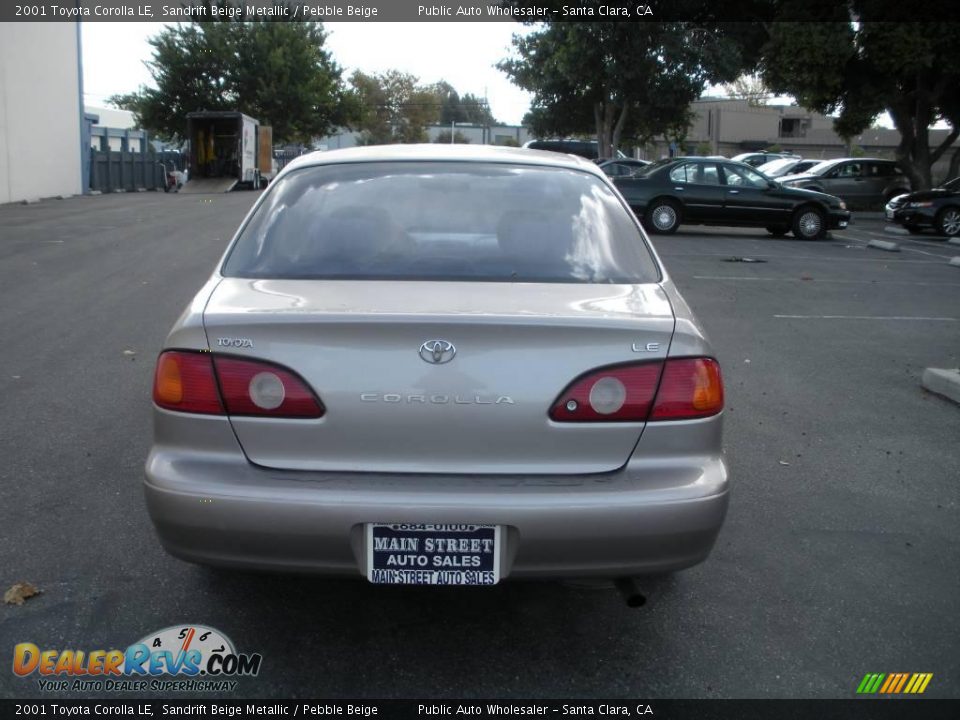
[(840, 555)]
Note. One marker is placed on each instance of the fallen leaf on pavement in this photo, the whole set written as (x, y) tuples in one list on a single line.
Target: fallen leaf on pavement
[(19, 592)]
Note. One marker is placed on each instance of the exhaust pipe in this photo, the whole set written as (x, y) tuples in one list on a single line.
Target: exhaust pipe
[(631, 593)]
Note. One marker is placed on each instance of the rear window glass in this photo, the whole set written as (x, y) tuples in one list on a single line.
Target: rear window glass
[(442, 221)]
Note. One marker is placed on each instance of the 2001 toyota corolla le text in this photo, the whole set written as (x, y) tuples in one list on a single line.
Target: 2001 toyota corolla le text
[(439, 365)]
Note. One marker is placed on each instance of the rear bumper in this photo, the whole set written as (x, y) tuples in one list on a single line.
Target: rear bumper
[(662, 513)]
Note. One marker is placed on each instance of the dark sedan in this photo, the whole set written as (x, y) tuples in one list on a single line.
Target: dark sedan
[(938, 209), (705, 191)]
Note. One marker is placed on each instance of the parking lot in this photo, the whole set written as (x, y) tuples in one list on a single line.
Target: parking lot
[(840, 555)]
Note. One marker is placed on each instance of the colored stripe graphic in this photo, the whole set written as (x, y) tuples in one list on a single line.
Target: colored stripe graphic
[(894, 683), (892, 679), (903, 680)]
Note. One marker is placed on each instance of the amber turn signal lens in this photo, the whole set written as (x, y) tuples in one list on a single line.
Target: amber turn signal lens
[(168, 385)]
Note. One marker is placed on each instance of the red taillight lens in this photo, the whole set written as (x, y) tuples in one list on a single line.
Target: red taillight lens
[(184, 382), (616, 394), (690, 388), (256, 388)]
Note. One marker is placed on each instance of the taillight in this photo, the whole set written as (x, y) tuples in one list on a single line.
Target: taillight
[(256, 388), (688, 388), (199, 382), (616, 394), (184, 381)]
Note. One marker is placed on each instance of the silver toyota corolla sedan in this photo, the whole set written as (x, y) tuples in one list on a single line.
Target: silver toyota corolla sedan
[(444, 365)]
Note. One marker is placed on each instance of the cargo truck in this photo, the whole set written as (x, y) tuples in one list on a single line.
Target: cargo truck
[(228, 150)]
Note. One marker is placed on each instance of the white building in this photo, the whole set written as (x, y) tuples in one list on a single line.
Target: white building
[(41, 111)]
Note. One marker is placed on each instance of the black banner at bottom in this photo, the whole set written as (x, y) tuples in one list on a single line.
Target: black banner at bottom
[(867, 709)]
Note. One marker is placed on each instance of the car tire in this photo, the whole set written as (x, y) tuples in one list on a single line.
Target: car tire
[(808, 223), (778, 230), (948, 222), (662, 217)]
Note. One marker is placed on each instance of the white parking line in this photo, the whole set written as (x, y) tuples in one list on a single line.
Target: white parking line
[(818, 280), (860, 234), (865, 317)]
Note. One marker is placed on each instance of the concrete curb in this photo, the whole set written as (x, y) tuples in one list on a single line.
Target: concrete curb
[(884, 245), (955, 260), (31, 201), (896, 231), (942, 382), (954, 241)]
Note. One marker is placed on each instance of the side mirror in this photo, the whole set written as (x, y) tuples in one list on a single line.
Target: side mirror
[(772, 185)]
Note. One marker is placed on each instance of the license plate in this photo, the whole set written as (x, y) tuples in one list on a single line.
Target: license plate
[(843, 223), (889, 214), (418, 554)]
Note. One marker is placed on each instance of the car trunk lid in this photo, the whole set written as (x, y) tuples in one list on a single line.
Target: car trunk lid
[(395, 402)]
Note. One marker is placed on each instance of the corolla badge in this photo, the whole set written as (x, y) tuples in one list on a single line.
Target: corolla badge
[(437, 351)]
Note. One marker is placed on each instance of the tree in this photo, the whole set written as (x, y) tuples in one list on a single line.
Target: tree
[(466, 109), (862, 68), (277, 72), (748, 87), (392, 108), (623, 80)]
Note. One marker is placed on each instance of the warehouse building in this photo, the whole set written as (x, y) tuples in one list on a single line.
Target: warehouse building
[(41, 111)]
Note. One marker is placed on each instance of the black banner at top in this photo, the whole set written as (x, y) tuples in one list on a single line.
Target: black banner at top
[(860, 709), (473, 11)]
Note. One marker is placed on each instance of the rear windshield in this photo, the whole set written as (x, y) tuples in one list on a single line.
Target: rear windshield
[(442, 221)]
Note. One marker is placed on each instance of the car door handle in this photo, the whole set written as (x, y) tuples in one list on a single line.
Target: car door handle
[(733, 192), (678, 189)]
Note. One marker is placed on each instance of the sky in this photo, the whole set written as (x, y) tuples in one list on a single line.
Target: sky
[(463, 54)]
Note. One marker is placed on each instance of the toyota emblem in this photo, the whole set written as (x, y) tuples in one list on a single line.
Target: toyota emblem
[(437, 351)]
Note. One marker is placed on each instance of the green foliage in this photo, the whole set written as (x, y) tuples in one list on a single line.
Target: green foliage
[(467, 108), (750, 88), (622, 81), (862, 69), (392, 108), (702, 149), (277, 72)]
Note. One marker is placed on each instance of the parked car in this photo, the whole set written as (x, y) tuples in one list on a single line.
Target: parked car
[(786, 166), (589, 149), (622, 168), (702, 191), (439, 364), (756, 159), (859, 181), (938, 209)]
